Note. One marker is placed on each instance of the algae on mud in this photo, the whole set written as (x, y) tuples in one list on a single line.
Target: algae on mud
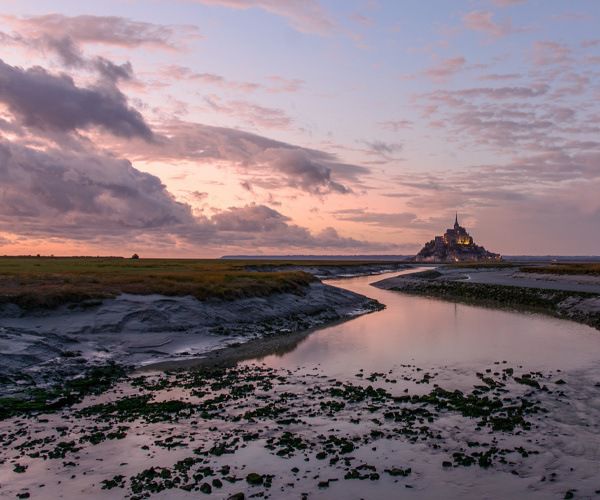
[(46, 400), (193, 425)]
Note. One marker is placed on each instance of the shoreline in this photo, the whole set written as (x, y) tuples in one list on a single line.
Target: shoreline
[(41, 350), (500, 292), (252, 349)]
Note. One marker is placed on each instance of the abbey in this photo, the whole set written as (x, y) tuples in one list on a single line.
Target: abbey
[(455, 245)]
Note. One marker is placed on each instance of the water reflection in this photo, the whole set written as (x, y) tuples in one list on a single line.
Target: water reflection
[(434, 332)]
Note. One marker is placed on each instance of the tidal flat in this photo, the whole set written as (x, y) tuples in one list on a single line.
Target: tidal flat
[(260, 432), (423, 399)]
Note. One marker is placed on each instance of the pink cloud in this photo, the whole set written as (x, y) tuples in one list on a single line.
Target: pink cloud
[(183, 73), (280, 84), (276, 84), (253, 114), (446, 69), (500, 76), (549, 53), (107, 30), (482, 21), (590, 43), (395, 125), (306, 16)]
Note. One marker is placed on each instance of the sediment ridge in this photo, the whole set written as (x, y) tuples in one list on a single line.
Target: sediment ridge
[(43, 347)]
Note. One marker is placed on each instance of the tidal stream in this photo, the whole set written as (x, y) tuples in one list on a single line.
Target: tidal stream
[(424, 399)]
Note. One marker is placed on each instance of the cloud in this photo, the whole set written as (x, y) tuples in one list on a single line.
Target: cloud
[(54, 102), (497, 76), (306, 16), (181, 72), (395, 125), (112, 73), (453, 97), (276, 230), (249, 113), (276, 85), (379, 219), (382, 148), (80, 195), (537, 117), (591, 43), (279, 84), (64, 32), (550, 53), (303, 170), (271, 164), (91, 197), (482, 21), (445, 69), (199, 195)]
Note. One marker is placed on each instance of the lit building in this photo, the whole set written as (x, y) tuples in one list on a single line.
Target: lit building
[(455, 245)]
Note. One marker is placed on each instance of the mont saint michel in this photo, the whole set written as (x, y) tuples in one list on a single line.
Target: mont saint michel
[(455, 245)]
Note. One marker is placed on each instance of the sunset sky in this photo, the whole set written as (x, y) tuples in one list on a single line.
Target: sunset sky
[(197, 128)]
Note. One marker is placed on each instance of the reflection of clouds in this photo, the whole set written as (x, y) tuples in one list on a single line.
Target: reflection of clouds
[(425, 332)]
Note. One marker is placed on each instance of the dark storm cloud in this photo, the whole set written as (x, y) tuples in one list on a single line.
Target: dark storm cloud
[(54, 102), (81, 195)]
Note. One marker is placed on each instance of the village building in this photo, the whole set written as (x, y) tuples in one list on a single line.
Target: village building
[(455, 245)]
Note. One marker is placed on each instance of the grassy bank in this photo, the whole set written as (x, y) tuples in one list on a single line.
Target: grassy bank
[(481, 265), (590, 269), (34, 282), (47, 282)]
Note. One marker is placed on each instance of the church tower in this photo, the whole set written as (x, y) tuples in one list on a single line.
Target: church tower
[(456, 224)]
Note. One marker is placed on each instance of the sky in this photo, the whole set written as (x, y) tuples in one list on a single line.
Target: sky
[(198, 128)]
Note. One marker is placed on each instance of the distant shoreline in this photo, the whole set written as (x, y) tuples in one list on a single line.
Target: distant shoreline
[(572, 297)]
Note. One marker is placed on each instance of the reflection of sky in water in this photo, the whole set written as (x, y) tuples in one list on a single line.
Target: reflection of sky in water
[(436, 333)]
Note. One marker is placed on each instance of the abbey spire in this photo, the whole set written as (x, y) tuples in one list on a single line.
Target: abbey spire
[(455, 245)]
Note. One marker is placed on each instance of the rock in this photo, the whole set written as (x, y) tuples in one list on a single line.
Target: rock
[(254, 478), (237, 496)]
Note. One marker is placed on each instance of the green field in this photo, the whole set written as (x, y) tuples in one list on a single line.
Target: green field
[(48, 282)]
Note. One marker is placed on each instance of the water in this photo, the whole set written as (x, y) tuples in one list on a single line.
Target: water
[(432, 332), (411, 337)]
